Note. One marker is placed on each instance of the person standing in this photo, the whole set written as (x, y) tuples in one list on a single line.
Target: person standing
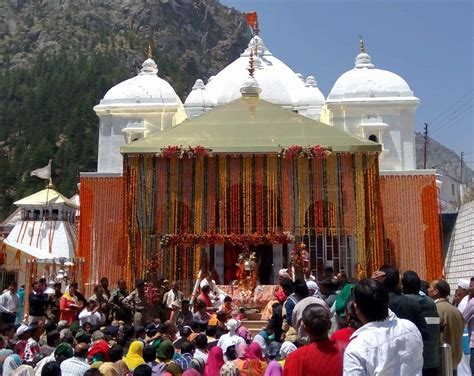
[(137, 303), (468, 315), (119, 311), (411, 285), (53, 303), (170, 297), (69, 304), (38, 302), (451, 320), (384, 344), (9, 304), (322, 356)]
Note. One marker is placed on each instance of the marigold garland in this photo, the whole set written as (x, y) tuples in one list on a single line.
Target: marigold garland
[(308, 152), (184, 152), (204, 239)]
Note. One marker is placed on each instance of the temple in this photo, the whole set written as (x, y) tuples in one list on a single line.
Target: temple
[(257, 159)]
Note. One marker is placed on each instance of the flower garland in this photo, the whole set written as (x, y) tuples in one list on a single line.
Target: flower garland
[(233, 239), (184, 152), (309, 152)]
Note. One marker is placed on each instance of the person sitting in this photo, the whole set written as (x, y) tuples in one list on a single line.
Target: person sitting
[(215, 361), (265, 337), (253, 362), (165, 354), (187, 352), (201, 347), (134, 355), (227, 307), (116, 365), (77, 365)]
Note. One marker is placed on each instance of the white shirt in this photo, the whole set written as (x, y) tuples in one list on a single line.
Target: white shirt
[(392, 347), (74, 366), (199, 354), (8, 302), (229, 339), (463, 304), (94, 318)]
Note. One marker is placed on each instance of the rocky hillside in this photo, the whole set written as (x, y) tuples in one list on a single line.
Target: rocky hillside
[(443, 159), (59, 57)]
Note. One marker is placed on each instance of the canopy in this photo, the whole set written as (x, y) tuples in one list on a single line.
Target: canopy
[(48, 196), (251, 125)]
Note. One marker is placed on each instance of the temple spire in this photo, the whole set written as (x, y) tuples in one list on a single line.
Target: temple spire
[(361, 44), (149, 52)]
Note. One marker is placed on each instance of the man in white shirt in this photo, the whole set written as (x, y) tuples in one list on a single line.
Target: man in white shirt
[(231, 338), (384, 345), (77, 365), (9, 304), (171, 296), (217, 295), (91, 314)]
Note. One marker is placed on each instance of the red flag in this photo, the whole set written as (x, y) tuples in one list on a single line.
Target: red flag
[(252, 19)]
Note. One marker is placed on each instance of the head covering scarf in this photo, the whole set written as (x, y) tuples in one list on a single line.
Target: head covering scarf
[(243, 332), (134, 356), (286, 349), (274, 369), (229, 369), (64, 349), (11, 363), (165, 351), (109, 369), (274, 350), (24, 370), (254, 351), (68, 296), (98, 348), (215, 360)]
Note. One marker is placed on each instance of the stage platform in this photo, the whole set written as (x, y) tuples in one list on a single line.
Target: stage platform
[(259, 300)]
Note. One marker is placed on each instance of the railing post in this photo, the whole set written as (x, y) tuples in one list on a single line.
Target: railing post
[(446, 360)]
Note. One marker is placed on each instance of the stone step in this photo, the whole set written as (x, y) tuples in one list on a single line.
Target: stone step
[(254, 326)]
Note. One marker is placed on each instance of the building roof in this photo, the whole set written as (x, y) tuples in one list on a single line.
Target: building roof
[(365, 82), (251, 125), (279, 83), (48, 196)]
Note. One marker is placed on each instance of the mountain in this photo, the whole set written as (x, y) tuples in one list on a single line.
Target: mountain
[(59, 57), (446, 161)]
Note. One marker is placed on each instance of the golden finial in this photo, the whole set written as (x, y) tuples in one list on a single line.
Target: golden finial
[(361, 44), (149, 51)]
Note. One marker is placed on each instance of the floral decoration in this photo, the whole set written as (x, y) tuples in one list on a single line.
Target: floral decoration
[(184, 152), (309, 152), (233, 239)]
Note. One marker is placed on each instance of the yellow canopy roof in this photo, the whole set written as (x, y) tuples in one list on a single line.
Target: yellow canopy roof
[(251, 125), (48, 196)]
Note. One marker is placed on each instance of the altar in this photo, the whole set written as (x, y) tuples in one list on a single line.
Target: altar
[(258, 299)]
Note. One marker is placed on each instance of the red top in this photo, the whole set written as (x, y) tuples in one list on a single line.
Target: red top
[(322, 358), (68, 309), (343, 337), (206, 299)]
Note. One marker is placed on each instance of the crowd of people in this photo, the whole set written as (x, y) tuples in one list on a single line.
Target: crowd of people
[(389, 324)]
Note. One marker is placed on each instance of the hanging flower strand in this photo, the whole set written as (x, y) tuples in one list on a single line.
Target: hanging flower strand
[(309, 152), (184, 152)]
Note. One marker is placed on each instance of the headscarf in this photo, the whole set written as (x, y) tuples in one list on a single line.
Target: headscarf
[(286, 349), (11, 363), (274, 369), (109, 369), (64, 349), (254, 351), (98, 348), (215, 360), (229, 369), (134, 356), (243, 332), (241, 350), (165, 351), (274, 350), (68, 296), (24, 370)]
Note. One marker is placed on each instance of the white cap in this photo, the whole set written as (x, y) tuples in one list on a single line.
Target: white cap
[(464, 283)]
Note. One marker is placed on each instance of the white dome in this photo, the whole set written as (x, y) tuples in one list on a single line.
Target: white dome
[(279, 84), (145, 88), (198, 100), (365, 81), (311, 95)]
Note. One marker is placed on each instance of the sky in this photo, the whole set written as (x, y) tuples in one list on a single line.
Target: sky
[(427, 42)]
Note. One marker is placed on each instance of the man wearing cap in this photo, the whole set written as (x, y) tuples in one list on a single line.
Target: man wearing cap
[(23, 333), (9, 304), (461, 295), (231, 338), (137, 302)]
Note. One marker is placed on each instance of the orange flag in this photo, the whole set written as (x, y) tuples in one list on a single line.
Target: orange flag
[(252, 19)]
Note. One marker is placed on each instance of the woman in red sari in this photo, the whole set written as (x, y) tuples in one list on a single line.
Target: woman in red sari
[(69, 305), (253, 362)]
